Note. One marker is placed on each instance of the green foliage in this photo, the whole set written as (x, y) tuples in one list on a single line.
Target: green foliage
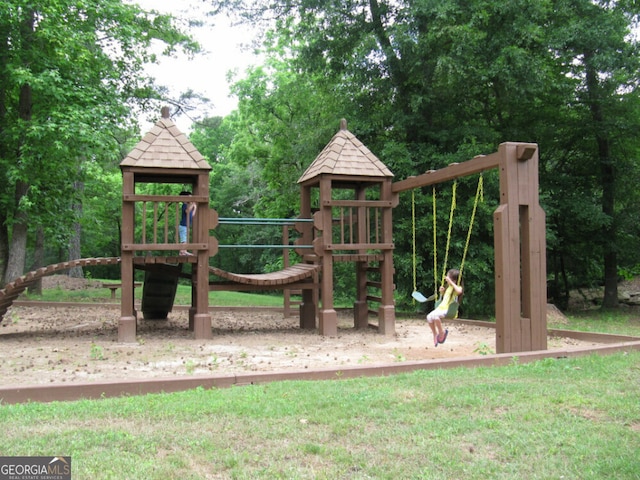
[(428, 83), (630, 273), (483, 349), (285, 118), (101, 222), (72, 83), (97, 353)]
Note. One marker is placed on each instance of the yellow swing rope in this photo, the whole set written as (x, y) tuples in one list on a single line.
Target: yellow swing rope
[(479, 197), (413, 226), (435, 242), (454, 189)]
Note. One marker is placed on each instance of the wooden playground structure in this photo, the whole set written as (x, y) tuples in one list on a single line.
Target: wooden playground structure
[(354, 226), (346, 205)]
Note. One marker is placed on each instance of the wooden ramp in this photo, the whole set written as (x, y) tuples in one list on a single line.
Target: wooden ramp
[(13, 290), (279, 279)]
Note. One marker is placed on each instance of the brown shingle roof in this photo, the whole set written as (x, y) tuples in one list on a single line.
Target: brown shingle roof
[(346, 155), (165, 146)]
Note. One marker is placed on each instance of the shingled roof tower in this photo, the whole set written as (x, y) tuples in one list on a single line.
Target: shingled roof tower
[(150, 224), (353, 222)]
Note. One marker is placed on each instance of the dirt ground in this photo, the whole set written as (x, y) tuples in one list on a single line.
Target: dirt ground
[(79, 344)]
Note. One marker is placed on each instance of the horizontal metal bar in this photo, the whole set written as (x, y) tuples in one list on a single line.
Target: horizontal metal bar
[(358, 203), (164, 246), (265, 246), (263, 221), (129, 197)]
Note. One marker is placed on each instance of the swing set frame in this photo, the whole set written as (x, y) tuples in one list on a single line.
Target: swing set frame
[(519, 242)]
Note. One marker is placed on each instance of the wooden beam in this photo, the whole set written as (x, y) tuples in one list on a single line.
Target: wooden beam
[(455, 170)]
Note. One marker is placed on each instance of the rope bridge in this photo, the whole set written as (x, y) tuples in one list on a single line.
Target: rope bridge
[(292, 274)]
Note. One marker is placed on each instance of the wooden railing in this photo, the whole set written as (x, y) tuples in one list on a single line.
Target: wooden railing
[(348, 234), (156, 221)]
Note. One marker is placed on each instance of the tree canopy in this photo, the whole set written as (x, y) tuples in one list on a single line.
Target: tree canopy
[(71, 88), (426, 83)]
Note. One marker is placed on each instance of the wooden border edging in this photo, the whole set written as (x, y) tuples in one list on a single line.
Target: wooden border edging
[(556, 332), (212, 308), (77, 391)]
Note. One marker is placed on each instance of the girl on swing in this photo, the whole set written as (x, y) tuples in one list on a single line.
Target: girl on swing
[(448, 296)]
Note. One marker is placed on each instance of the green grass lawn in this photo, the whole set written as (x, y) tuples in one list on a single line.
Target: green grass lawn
[(183, 296), (575, 418), (620, 322)]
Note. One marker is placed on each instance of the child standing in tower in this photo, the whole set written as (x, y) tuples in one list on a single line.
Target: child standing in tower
[(186, 220)]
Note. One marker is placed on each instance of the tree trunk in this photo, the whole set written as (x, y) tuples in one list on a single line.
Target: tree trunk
[(38, 261), (610, 254), (4, 244), (19, 229), (74, 241), (607, 181), (74, 251), (4, 232), (18, 243)]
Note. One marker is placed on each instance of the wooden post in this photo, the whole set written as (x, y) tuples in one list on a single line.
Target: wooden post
[(328, 317), (202, 317), (387, 311), (286, 262), (194, 300), (520, 249), (309, 304), (127, 326), (360, 306)]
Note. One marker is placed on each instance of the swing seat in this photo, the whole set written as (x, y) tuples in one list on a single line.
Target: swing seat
[(421, 298), (453, 309)]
